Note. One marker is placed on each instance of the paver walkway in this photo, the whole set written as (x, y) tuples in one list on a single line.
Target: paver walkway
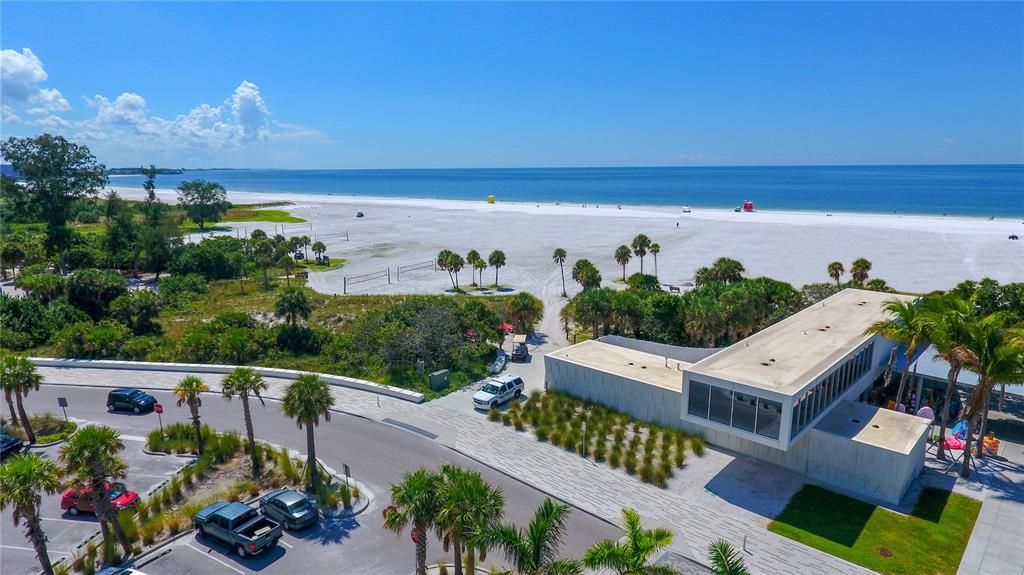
[(995, 545), (595, 489)]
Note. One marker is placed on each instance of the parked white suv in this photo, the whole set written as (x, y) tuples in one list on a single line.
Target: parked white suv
[(498, 390)]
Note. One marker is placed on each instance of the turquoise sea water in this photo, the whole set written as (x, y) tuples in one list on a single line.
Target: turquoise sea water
[(976, 190)]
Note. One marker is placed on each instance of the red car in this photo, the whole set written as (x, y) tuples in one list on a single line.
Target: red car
[(75, 500)]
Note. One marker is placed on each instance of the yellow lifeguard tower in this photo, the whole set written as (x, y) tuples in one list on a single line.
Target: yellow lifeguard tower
[(490, 199)]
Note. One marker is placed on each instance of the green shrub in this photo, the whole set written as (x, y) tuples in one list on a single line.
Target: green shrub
[(697, 445), (615, 459), (600, 450), (111, 556), (541, 432), (647, 472), (660, 478), (346, 495), (151, 529), (506, 419), (518, 424), (127, 520), (629, 463), (442, 568), (173, 522), (555, 437), (493, 414), (680, 458)]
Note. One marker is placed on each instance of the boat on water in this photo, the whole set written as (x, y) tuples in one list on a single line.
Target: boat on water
[(686, 209)]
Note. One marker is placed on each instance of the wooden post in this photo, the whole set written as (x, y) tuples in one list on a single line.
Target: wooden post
[(344, 285), (398, 274), (389, 276)]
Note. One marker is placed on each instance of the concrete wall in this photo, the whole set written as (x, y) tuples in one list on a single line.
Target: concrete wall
[(862, 469), (687, 354), (793, 459), (638, 399), (338, 380)]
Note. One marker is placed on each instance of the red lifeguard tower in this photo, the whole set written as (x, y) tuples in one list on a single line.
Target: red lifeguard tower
[(748, 206)]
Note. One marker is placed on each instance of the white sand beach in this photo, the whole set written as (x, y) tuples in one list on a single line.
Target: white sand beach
[(912, 253)]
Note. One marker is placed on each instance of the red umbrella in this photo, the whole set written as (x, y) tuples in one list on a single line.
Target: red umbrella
[(506, 327)]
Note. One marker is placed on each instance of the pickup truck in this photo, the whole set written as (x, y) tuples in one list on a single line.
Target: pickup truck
[(241, 527)]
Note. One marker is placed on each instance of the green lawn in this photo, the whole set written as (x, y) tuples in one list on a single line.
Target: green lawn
[(930, 541), (311, 265), (250, 215)]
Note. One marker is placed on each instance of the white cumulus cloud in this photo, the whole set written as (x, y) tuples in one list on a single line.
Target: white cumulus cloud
[(251, 112), (20, 76)]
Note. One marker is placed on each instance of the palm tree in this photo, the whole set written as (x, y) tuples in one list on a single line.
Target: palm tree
[(262, 254), (904, 327), (622, 257), (457, 263), (305, 242), (444, 261), (496, 260), (836, 271), (655, 250), (859, 270), (586, 274), (632, 556), (728, 270), (725, 560), (478, 267), (292, 304), (471, 258), (641, 243), (558, 256), (286, 262), (22, 479), (188, 393), (468, 503), (415, 503), (995, 352), (19, 376), (945, 320), (534, 550), (307, 400), (91, 457), (525, 310), (243, 382), (318, 249)]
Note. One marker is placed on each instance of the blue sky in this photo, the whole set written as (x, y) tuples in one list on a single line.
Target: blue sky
[(304, 85)]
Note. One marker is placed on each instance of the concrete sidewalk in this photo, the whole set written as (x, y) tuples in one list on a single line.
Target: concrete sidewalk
[(596, 489), (995, 547)]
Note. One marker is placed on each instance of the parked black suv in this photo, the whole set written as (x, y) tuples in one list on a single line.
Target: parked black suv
[(130, 399), (9, 445)]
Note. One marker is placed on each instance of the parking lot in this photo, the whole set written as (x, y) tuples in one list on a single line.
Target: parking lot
[(65, 531)]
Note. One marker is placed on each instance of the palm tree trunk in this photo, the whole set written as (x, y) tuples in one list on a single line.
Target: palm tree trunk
[(470, 560), (562, 268), (34, 533), (655, 265), (266, 280), (1002, 396), (457, 552), (954, 373), (10, 405), (623, 272), (196, 425), (104, 509), (495, 276), (903, 380), (980, 450), (421, 550), (31, 435), (965, 467), (250, 434), (311, 457), (641, 265)]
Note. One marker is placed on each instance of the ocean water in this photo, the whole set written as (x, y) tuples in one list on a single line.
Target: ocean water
[(975, 190)]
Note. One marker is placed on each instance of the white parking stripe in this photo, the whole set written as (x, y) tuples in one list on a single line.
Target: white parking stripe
[(50, 551), (201, 552), (286, 544), (78, 521)]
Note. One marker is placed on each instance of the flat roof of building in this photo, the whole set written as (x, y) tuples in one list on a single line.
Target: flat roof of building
[(786, 356), (622, 361), (875, 426)]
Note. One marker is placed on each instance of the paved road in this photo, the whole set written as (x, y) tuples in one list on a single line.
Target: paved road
[(377, 455)]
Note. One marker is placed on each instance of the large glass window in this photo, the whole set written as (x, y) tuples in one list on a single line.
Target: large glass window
[(699, 396), (721, 405), (769, 418), (744, 411)]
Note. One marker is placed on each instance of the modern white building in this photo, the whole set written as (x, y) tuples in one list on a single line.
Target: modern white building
[(787, 395)]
